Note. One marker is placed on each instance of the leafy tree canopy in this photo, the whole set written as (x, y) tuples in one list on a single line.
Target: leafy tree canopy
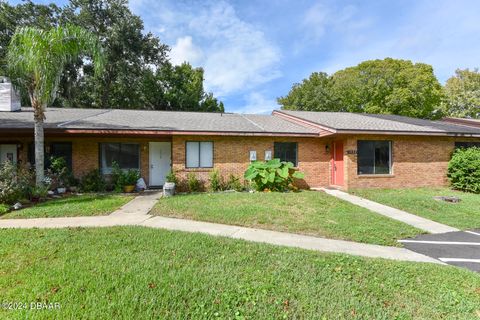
[(138, 74), (462, 94), (388, 86), (313, 94)]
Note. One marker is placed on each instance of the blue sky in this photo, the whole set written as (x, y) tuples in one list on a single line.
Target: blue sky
[(253, 51)]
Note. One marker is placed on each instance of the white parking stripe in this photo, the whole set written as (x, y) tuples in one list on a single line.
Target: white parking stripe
[(471, 232), (459, 260), (442, 242)]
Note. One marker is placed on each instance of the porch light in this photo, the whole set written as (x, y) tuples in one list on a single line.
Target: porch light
[(327, 148)]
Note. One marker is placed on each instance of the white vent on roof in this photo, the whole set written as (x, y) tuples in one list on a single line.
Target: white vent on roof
[(9, 100)]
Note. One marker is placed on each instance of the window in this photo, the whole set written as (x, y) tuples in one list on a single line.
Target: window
[(374, 157), (54, 149), (285, 151), (127, 155), (199, 154), (467, 144)]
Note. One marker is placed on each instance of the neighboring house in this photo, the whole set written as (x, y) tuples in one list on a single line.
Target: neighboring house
[(333, 149)]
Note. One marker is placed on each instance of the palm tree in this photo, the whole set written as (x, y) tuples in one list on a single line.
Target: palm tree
[(36, 59)]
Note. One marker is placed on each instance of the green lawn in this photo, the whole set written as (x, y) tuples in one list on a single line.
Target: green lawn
[(84, 205), (141, 273), (307, 212), (419, 201)]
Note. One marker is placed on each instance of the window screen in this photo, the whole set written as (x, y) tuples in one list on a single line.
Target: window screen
[(55, 149), (127, 155), (286, 151), (373, 157), (199, 154)]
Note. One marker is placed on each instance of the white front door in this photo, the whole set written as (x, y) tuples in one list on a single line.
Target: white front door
[(8, 152), (160, 162)]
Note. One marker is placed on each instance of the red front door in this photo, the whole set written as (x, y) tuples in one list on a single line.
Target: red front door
[(337, 163)]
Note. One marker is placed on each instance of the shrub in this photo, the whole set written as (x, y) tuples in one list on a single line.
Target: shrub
[(172, 177), (58, 172), (234, 183), (272, 175), (193, 183), (39, 192), (121, 178), (4, 208), (93, 182), (464, 170), (116, 176), (216, 181), (15, 183)]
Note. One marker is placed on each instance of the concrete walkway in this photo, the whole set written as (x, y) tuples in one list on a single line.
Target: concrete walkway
[(408, 218), (135, 213), (288, 239)]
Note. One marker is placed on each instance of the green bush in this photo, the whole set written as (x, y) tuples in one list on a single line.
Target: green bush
[(4, 208), (216, 181), (116, 177), (39, 192), (93, 182), (172, 177), (120, 178), (273, 175), (193, 183), (464, 170), (234, 183), (15, 182), (58, 172)]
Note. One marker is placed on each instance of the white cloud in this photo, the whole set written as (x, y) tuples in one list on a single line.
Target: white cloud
[(236, 55), (320, 19), (257, 103), (184, 50)]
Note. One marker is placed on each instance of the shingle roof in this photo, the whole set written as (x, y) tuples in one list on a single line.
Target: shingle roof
[(463, 121), (344, 121), (138, 120), (115, 119)]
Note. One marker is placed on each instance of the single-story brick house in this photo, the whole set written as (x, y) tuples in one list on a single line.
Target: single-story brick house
[(342, 150)]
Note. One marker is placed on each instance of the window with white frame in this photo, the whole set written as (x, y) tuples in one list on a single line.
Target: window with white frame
[(374, 157), (199, 154)]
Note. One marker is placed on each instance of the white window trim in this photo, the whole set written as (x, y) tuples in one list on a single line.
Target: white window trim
[(199, 155)]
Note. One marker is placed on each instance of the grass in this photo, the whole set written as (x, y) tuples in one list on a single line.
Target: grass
[(307, 212), (140, 273), (83, 205), (419, 201)]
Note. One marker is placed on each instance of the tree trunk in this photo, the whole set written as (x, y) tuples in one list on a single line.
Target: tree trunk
[(39, 149)]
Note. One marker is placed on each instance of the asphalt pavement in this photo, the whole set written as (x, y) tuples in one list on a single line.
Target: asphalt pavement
[(460, 248)]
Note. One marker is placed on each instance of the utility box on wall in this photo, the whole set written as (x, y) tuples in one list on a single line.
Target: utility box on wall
[(9, 100)]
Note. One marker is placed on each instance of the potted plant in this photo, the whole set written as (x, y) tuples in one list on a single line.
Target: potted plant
[(129, 180), (169, 186)]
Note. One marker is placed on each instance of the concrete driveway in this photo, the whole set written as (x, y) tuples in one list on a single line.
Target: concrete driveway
[(461, 248)]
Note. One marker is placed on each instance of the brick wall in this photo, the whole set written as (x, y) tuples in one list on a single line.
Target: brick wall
[(231, 156), (416, 162)]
